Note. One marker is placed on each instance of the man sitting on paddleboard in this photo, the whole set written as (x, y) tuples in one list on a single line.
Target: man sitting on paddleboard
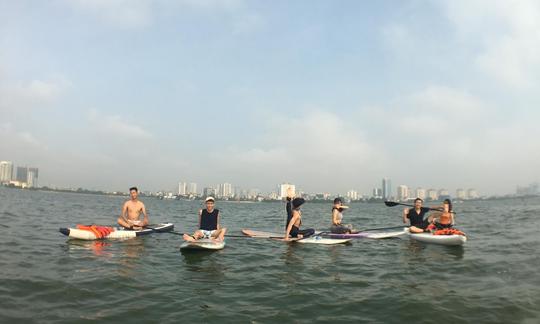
[(131, 212), (416, 216), (295, 220), (209, 227), (337, 217)]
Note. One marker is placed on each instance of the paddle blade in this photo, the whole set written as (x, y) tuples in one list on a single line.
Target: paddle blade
[(391, 203)]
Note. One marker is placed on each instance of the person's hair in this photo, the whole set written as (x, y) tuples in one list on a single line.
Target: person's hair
[(133, 188), (447, 201), (338, 200), (419, 199)]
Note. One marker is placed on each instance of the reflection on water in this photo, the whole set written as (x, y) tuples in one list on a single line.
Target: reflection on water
[(98, 247), (205, 266), (131, 251), (420, 252)]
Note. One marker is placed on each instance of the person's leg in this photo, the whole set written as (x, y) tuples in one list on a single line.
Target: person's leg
[(219, 234), (340, 229), (197, 235), (306, 232), (123, 223), (414, 229)]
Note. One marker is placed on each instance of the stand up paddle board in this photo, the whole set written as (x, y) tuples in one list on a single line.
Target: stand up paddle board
[(438, 239), (116, 233), (370, 235), (202, 244), (315, 239)]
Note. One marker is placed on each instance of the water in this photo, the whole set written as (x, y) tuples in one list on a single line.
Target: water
[(44, 278)]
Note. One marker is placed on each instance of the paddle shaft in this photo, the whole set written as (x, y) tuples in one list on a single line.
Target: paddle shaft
[(182, 234), (394, 204)]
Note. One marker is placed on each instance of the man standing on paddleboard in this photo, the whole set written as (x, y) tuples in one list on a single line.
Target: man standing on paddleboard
[(416, 216), (209, 227), (131, 212)]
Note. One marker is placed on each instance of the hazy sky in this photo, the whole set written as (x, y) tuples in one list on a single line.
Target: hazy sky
[(329, 95)]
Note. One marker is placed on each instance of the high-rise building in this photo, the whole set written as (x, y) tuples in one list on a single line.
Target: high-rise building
[(461, 194), (6, 171), (283, 188), (225, 190), (352, 195), (377, 193), (183, 188), (32, 177), (386, 188), (22, 174), (432, 194), (421, 193), (209, 192), (444, 194), (402, 193), (192, 189), (472, 194)]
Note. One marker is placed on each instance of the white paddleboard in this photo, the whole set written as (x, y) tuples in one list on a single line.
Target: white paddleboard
[(438, 239), (202, 244), (279, 237), (118, 233)]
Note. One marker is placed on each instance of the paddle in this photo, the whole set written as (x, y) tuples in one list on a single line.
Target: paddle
[(394, 204), (381, 228), (182, 234)]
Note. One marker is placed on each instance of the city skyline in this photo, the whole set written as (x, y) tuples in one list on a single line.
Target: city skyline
[(28, 177), (329, 96)]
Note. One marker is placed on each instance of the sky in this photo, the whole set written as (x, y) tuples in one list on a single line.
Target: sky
[(328, 95)]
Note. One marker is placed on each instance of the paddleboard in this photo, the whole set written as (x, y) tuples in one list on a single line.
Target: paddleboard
[(370, 235), (118, 233), (451, 240), (202, 244), (315, 239)]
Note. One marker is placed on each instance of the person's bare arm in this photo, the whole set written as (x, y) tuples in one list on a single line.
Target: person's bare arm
[(289, 227), (145, 219), (200, 215), (405, 215), (124, 212), (218, 217)]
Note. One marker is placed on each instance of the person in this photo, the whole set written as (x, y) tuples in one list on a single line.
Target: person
[(415, 216), (131, 212), (209, 227), (337, 217), (295, 220), (443, 219)]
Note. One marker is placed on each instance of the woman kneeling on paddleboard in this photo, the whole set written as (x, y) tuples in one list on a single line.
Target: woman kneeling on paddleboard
[(443, 219), (295, 221), (337, 217)]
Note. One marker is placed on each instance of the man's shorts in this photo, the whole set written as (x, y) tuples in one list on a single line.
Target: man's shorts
[(207, 234)]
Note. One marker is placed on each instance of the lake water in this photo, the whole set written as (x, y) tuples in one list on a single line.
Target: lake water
[(46, 278)]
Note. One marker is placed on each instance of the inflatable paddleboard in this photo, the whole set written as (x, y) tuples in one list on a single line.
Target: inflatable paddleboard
[(202, 244), (315, 239), (370, 235), (117, 233), (451, 240)]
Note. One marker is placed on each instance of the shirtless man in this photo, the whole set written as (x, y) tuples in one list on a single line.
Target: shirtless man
[(131, 212)]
